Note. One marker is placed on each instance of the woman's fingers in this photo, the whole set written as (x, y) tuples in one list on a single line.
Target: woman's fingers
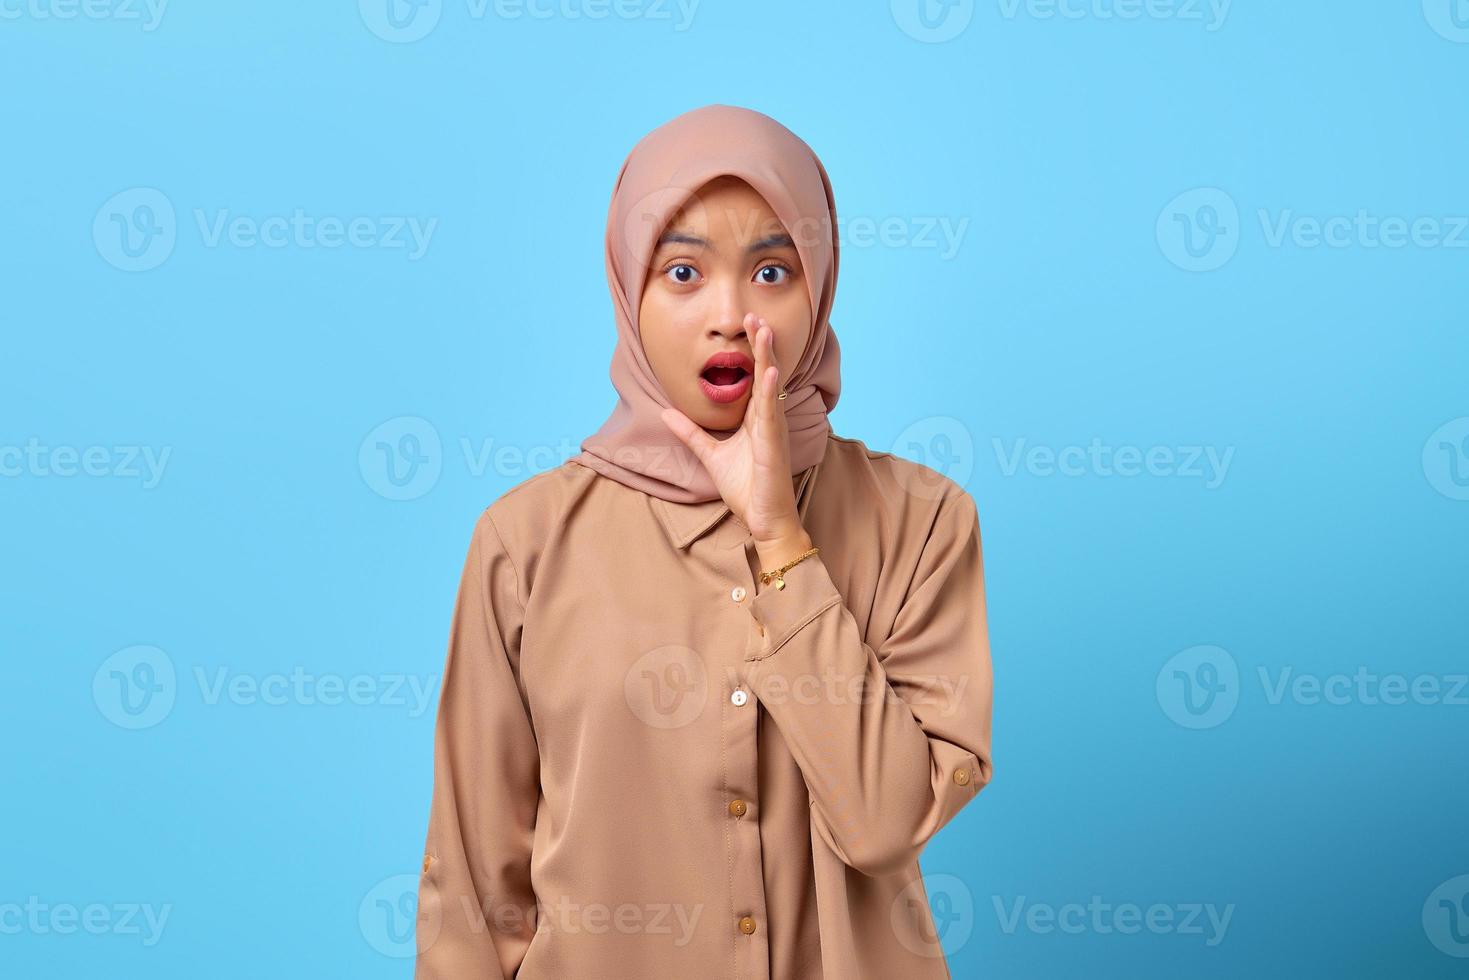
[(757, 384), (772, 381), (700, 443)]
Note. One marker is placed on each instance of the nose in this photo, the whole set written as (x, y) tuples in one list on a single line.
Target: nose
[(727, 315)]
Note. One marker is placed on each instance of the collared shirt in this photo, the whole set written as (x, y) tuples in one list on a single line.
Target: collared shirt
[(647, 764)]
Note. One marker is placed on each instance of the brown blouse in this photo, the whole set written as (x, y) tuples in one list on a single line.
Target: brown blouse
[(649, 765)]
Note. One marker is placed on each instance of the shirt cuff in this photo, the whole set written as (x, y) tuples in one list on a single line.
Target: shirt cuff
[(779, 614)]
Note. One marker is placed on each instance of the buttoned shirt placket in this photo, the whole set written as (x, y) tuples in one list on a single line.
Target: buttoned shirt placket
[(730, 547)]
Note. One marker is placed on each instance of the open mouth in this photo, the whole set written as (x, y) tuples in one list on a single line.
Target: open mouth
[(727, 378), (721, 376)]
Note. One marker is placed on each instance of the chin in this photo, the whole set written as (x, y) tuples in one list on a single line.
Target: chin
[(722, 419)]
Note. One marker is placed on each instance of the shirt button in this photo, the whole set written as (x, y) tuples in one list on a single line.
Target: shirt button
[(738, 698), (961, 776), (737, 593), (747, 925), (737, 808)]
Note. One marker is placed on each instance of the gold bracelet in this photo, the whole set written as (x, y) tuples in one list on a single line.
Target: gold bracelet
[(778, 573)]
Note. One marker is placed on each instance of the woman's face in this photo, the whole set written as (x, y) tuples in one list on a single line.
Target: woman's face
[(725, 254)]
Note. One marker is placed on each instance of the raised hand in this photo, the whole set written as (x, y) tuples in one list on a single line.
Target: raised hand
[(752, 468)]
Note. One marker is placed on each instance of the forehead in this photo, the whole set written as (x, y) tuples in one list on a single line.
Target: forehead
[(726, 207)]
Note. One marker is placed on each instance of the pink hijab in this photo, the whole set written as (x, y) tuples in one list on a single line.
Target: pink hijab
[(633, 446)]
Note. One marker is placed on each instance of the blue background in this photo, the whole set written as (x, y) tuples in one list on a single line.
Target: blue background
[(1086, 300)]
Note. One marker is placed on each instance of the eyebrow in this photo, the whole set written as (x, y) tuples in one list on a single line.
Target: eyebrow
[(781, 240)]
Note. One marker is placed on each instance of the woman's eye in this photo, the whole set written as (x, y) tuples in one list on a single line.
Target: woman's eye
[(773, 275), (682, 274)]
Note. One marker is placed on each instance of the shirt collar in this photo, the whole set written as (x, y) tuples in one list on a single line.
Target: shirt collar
[(686, 523)]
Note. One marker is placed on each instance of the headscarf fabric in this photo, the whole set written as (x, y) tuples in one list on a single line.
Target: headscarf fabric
[(658, 178)]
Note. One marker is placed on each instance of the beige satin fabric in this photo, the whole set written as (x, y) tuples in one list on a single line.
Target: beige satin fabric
[(648, 765)]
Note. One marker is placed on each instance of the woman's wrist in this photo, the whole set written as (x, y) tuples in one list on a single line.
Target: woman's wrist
[(776, 551)]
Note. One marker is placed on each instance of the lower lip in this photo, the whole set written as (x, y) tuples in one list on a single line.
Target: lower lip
[(726, 393)]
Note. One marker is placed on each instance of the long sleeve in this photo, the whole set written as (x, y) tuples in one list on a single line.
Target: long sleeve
[(892, 741), (476, 907)]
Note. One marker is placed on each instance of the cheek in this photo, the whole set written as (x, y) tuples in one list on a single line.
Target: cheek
[(663, 329), (791, 342)]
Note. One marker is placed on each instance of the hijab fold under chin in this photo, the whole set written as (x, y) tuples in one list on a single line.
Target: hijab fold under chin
[(662, 172)]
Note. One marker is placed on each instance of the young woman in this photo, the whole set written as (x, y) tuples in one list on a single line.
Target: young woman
[(713, 683)]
